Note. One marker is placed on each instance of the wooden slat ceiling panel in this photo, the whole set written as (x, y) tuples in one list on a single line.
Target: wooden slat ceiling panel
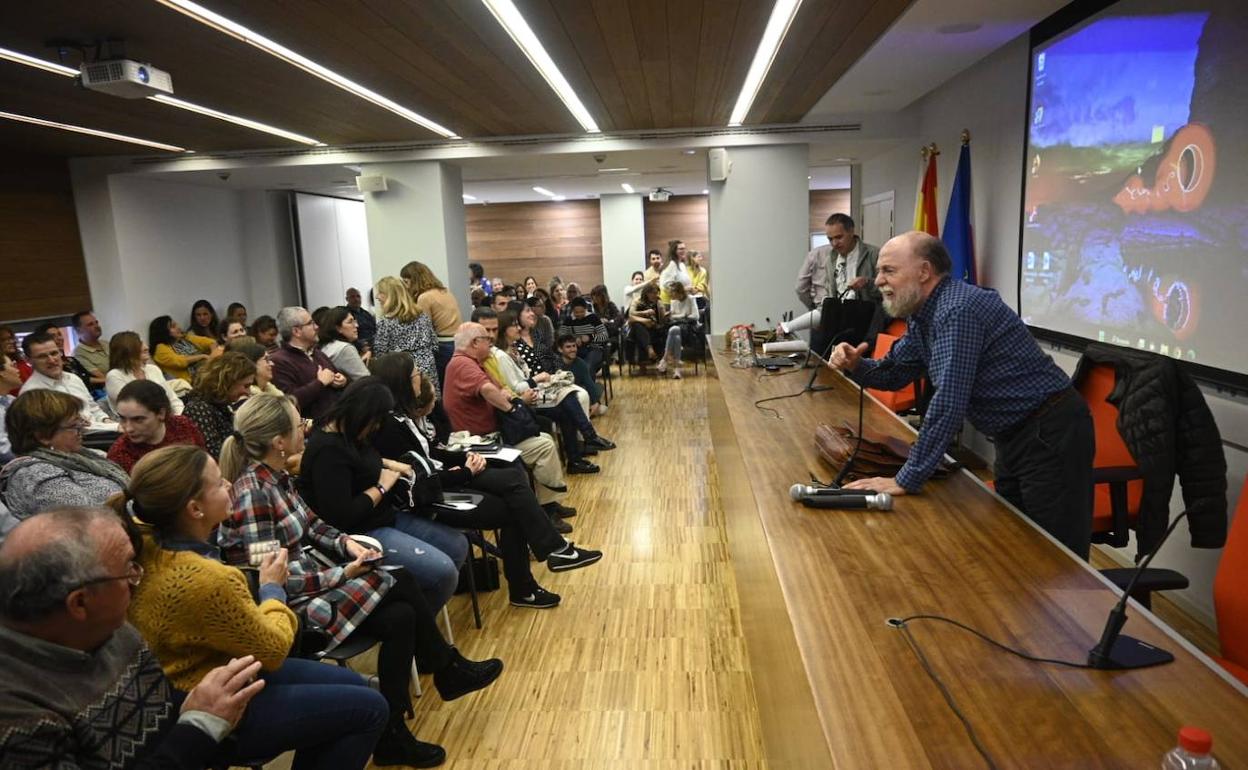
[(637, 65)]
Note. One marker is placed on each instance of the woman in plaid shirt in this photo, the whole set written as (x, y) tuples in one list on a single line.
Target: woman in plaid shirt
[(386, 605)]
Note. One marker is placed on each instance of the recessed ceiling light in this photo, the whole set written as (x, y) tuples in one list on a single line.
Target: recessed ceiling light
[(234, 29), (706, 192), (91, 132), (809, 178), (960, 29), (628, 188), (60, 69), (509, 17), (468, 197), (688, 152), (782, 14)]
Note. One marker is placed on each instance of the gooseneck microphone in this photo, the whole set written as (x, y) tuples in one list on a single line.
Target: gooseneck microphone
[(1115, 651)]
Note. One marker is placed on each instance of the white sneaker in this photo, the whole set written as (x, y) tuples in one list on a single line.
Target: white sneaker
[(676, 372), (662, 367)]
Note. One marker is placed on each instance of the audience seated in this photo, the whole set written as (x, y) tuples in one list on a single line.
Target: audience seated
[(300, 369), (683, 317), (530, 286), (237, 312), (177, 354), (53, 469), (204, 321), (70, 364), (258, 355), (148, 423), (404, 327), (353, 488), (502, 298), (264, 329), (230, 329), (471, 398), (41, 348), (508, 503), (337, 334), (340, 599), (198, 614), (571, 362), (647, 321), (558, 401), (633, 290), (558, 299), (476, 278), (363, 319), (68, 576), (10, 382), (9, 346), (537, 339), (443, 310), (220, 384), (589, 331), (606, 310), (90, 353), (128, 361)]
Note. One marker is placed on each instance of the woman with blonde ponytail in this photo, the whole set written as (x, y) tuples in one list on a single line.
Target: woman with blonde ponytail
[(385, 605), (197, 614)]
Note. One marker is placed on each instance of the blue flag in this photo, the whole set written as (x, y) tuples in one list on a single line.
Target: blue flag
[(959, 235)]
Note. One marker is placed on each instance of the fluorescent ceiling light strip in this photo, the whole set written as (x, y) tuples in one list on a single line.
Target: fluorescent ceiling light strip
[(60, 69), (43, 64), (222, 24), (468, 197), (782, 15), (507, 15), (246, 122), (91, 132), (628, 188), (544, 191)]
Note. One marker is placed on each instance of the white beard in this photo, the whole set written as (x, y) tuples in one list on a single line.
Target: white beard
[(904, 303)]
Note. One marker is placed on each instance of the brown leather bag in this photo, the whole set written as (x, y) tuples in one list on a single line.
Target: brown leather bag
[(879, 455)]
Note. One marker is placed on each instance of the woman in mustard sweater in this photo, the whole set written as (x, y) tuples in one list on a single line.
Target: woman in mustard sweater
[(197, 614), (178, 354)]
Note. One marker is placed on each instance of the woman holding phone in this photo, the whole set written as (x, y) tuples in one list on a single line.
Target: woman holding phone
[(268, 511)]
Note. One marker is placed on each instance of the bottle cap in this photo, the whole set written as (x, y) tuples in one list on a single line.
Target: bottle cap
[(1195, 740)]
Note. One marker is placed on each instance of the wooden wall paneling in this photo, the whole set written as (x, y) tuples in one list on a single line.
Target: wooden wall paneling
[(824, 203), (683, 217), (541, 239)]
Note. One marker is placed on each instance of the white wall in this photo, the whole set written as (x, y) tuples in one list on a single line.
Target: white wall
[(623, 240), (268, 251), (990, 99), (333, 247), (154, 247), (759, 221)]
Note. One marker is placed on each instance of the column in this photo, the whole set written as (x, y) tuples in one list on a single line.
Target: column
[(758, 227), (419, 217), (623, 240)]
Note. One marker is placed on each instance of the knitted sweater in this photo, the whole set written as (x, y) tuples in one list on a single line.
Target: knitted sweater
[(111, 708), (197, 614)]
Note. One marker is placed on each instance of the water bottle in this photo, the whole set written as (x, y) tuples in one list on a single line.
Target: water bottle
[(1192, 753)]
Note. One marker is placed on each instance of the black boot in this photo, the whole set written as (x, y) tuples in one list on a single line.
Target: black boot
[(462, 676), (397, 746)]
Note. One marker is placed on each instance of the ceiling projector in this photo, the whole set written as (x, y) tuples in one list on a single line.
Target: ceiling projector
[(125, 78), (660, 195)]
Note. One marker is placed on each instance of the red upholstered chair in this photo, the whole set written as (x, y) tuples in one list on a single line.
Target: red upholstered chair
[(902, 400), (1230, 593)]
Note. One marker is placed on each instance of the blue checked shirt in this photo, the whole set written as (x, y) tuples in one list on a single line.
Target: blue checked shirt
[(982, 361)]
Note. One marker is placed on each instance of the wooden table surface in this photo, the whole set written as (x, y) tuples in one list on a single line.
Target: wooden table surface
[(837, 687)]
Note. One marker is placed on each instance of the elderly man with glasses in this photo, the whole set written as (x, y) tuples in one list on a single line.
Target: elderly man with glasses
[(48, 360), (81, 689), (300, 369)]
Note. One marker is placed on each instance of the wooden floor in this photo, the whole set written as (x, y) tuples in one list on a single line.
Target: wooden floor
[(643, 666)]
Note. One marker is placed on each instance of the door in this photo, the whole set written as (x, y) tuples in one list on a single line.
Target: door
[(877, 219)]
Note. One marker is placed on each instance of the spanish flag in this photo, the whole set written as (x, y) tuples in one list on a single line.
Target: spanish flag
[(925, 204)]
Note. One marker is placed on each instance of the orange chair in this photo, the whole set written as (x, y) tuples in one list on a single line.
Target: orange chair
[(1119, 486), (1230, 593), (902, 400)]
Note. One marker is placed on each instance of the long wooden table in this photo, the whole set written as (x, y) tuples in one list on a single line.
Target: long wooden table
[(838, 688)]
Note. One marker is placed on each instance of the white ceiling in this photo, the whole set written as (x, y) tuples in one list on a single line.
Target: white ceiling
[(914, 56), (910, 60)]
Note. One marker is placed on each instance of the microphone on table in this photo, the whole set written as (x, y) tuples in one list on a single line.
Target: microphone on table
[(818, 497), (1115, 651)]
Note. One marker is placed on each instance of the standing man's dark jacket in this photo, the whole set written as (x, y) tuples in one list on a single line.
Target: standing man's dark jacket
[(1168, 428)]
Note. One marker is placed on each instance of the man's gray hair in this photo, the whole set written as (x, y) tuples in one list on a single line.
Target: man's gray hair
[(287, 320), (34, 582), (466, 333)]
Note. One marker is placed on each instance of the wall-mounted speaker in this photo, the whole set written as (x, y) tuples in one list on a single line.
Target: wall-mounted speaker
[(375, 183), (718, 165)]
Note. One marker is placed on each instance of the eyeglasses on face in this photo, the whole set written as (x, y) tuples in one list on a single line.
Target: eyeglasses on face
[(133, 576), (78, 426)]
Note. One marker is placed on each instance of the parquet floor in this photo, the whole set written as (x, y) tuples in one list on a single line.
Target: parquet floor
[(643, 666)]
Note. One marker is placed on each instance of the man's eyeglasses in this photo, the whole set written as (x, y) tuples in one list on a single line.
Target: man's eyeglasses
[(133, 576)]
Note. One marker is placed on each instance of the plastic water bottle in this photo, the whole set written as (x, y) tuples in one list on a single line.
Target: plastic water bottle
[(1192, 753)]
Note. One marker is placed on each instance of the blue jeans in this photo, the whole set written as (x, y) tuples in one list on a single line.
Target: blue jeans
[(430, 552), (327, 715)]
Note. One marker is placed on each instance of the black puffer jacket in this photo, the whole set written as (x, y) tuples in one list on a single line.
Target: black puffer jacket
[(1168, 428)]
